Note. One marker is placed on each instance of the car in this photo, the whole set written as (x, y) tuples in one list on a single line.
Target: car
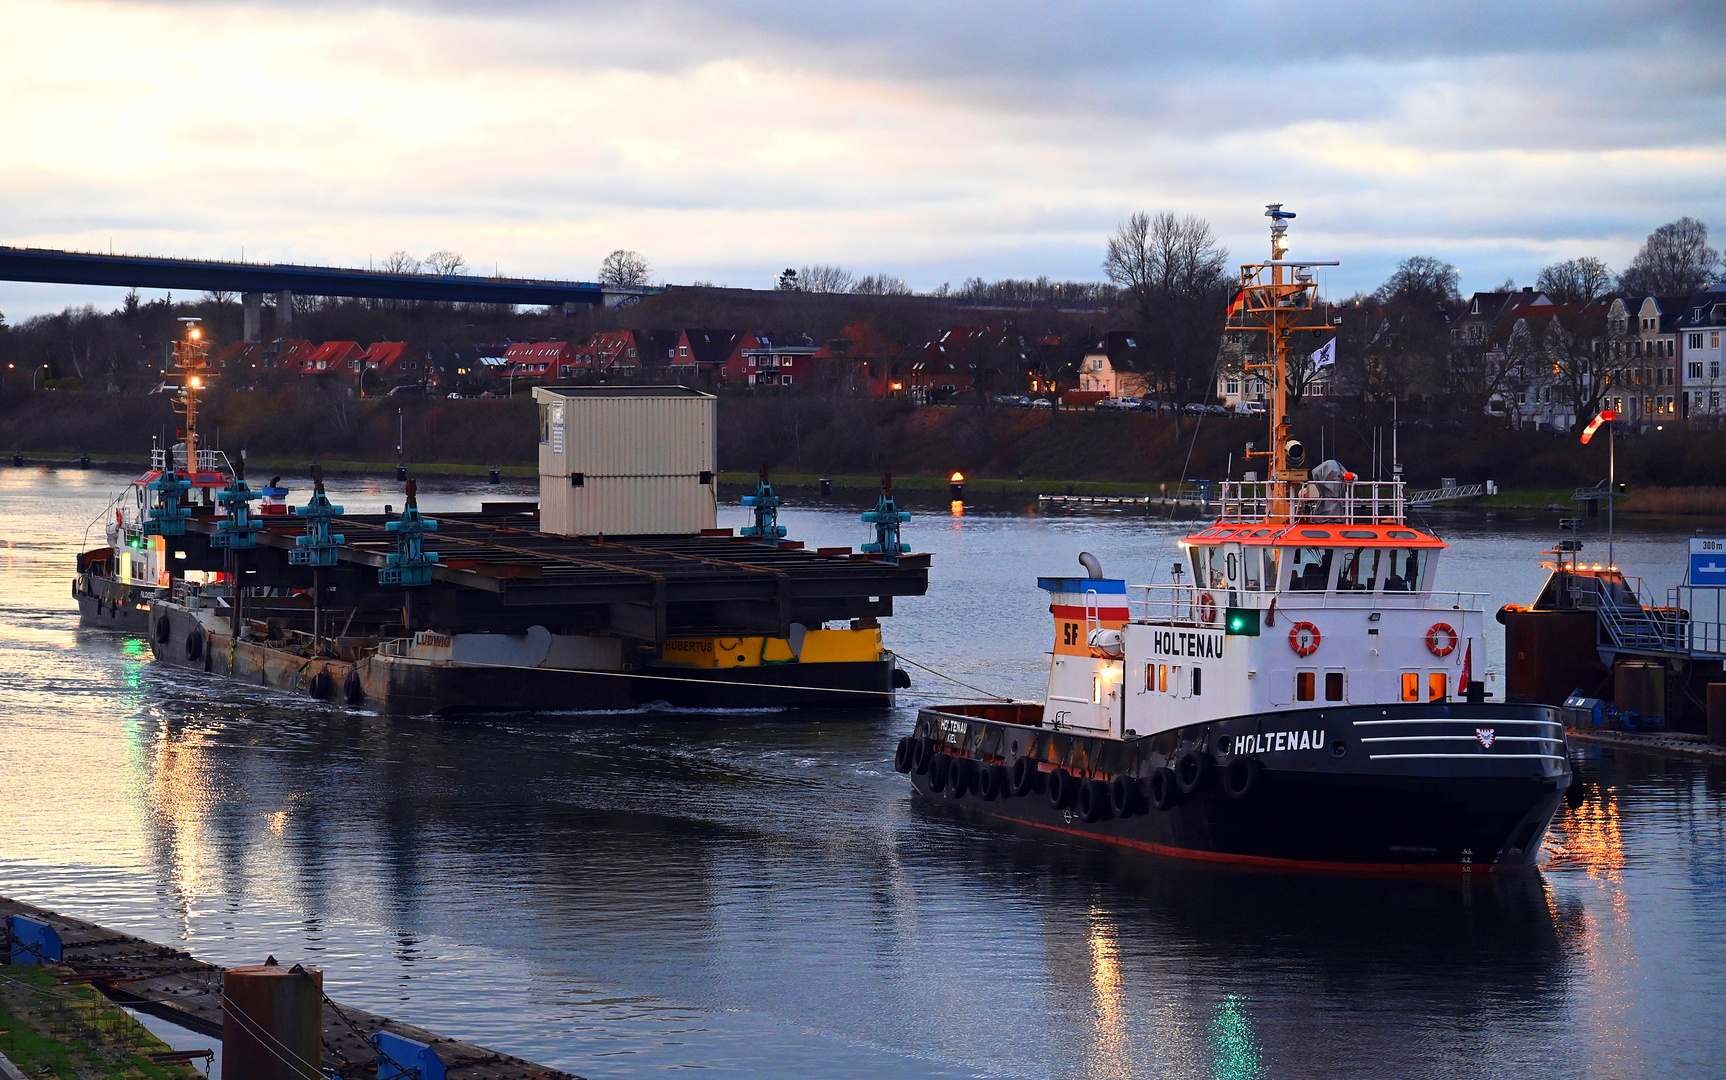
[(1195, 408), (453, 396), (1042, 403), (406, 390), (1251, 408)]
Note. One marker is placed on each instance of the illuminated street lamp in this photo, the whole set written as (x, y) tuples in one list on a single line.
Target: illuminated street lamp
[(33, 386)]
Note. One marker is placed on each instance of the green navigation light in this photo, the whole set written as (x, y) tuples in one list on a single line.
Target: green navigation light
[(1242, 622)]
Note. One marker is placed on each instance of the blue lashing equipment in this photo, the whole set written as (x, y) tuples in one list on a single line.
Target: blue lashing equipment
[(765, 506), (405, 1059), (239, 529), (319, 546), (410, 563), (167, 517), (887, 517), (33, 942)]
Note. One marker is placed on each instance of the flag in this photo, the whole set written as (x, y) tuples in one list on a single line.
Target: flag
[(1468, 665), (1606, 417), (1237, 303), (1325, 356)]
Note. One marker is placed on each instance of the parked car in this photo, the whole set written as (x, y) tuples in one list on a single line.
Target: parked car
[(1195, 408), (1042, 403), (1251, 408), (406, 390)]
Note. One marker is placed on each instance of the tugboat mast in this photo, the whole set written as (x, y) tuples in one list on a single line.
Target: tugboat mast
[(191, 357), (1276, 299)]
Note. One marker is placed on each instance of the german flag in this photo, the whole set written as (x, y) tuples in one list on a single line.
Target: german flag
[(1237, 303)]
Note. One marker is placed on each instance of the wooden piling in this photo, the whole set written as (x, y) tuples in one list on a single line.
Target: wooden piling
[(272, 1023)]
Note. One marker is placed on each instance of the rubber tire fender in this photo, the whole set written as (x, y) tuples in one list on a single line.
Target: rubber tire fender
[(939, 765), (1024, 777), (1063, 789), (902, 755), (353, 689), (961, 777), (1093, 801), (1192, 769), (164, 629), (1164, 794), (989, 785), (321, 685), (901, 679), (1241, 776), (1126, 796), (922, 754), (194, 646)]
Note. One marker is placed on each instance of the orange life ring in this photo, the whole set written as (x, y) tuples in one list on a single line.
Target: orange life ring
[(1207, 607), (1432, 645), (1304, 639)]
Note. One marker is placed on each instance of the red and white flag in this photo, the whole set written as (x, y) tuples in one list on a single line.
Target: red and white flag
[(1606, 417), (1468, 665)]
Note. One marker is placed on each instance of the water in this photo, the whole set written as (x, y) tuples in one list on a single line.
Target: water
[(756, 896)]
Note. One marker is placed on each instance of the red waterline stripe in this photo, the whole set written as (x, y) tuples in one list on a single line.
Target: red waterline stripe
[(1261, 862)]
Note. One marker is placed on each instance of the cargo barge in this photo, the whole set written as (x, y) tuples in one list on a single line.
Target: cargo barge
[(616, 590), (1307, 699)]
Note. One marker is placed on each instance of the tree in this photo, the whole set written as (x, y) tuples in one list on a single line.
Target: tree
[(822, 278), (788, 281), (1575, 281), (1170, 272), (400, 262), (623, 270), (445, 263), (1422, 281), (881, 285), (1675, 260)]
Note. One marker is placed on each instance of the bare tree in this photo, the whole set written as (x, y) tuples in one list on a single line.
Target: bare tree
[(1575, 281), (218, 297), (1422, 281), (623, 269), (400, 262), (1170, 271), (881, 285), (1674, 261), (822, 278), (445, 263)]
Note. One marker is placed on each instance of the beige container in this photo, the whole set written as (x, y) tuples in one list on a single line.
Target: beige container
[(626, 460)]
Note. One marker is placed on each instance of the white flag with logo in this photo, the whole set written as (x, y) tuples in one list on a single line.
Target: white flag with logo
[(1325, 356)]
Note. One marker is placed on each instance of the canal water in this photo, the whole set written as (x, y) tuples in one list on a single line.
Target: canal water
[(755, 895)]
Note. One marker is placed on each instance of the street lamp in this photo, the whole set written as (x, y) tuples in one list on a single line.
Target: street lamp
[(33, 386)]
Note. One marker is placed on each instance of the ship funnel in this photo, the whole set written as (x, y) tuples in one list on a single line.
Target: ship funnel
[(1091, 565)]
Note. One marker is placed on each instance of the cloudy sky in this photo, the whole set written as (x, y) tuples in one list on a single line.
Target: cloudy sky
[(926, 140)]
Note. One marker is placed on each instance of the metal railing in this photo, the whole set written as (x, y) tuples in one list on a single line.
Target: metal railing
[(1344, 502), (208, 460), (1703, 611), (1184, 604), (1626, 622)]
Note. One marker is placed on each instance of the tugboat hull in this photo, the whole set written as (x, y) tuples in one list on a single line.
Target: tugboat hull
[(108, 605), (1437, 787)]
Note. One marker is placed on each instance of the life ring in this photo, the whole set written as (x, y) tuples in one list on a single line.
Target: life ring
[(1093, 801), (1024, 776), (1240, 777), (1207, 607), (1432, 645), (1304, 638), (1126, 797), (1063, 789)]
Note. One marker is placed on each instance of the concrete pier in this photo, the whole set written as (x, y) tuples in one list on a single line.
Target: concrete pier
[(253, 305), (179, 988)]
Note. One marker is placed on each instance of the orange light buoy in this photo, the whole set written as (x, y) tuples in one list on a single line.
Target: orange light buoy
[(956, 486), (272, 1023)]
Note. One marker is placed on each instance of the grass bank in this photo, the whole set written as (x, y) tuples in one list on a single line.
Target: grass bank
[(71, 1030)]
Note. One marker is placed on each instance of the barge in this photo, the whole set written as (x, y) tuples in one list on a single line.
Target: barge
[(1306, 698), (622, 594)]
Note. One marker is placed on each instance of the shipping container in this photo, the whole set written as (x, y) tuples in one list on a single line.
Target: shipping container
[(626, 460)]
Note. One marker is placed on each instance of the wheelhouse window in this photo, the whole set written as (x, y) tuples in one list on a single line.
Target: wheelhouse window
[(1306, 685), (1333, 686), (1359, 572), (1402, 568), (1435, 687), (1251, 565), (1310, 569), (1411, 686)]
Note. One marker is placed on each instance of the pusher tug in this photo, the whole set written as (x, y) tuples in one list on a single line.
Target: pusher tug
[(116, 584), (1306, 700)]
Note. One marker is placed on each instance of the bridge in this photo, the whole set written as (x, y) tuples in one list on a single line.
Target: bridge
[(253, 280)]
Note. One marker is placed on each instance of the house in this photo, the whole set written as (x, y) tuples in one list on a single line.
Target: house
[(294, 354), (761, 358), (332, 356), (1543, 357), (699, 356), (610, 353), (1702, 324), (389, 360), (961, 357), (864, 360), (1114, 367), (1641, 354), (538, 359)]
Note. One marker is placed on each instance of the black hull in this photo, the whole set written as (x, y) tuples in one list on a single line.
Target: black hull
[(106, 605), (1416, 797), (419, 688)]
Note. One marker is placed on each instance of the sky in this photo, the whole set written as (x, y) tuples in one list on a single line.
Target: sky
[(932, 142)]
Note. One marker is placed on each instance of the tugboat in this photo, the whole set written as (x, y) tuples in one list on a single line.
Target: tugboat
[(116, 584), (1306, 700)]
